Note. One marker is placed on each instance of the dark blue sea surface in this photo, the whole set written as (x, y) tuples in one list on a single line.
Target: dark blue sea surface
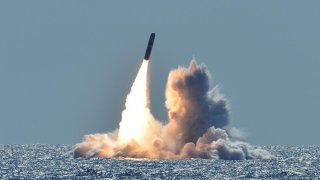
[(57, 162)]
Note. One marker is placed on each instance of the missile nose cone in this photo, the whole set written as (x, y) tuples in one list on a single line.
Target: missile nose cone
[(149, 47), (153, 35)]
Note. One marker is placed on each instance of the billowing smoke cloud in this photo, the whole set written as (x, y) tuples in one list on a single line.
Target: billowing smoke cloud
[(192, 107), (198, 115)]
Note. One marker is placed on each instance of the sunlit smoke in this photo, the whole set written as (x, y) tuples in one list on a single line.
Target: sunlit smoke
[(197, 117), (135, 116)]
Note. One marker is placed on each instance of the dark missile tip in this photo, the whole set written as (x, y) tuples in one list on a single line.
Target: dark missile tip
[(149, 47)]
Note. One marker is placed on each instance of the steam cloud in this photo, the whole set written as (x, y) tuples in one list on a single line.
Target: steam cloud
[(198, 115)]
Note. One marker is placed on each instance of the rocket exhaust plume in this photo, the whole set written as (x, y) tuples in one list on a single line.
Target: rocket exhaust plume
[(197, 118), (135, 117)]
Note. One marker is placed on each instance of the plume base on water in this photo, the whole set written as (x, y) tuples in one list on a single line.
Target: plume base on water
[(197, 118)]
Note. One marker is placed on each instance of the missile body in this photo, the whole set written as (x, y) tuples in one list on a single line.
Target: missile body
[(149, 47)]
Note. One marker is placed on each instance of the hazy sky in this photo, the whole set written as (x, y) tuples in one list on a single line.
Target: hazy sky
[(67, 66)]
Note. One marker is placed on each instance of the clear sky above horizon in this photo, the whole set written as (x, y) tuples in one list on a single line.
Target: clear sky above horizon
[(67, 66)]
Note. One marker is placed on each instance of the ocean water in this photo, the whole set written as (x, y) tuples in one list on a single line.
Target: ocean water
[(57, 162)]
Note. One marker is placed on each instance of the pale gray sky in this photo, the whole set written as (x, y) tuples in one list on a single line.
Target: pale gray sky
[(66, 66)]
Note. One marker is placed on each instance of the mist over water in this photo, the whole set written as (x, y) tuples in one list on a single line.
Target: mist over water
[(197, 118)]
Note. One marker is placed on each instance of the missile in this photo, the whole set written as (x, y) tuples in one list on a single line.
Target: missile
[(149, 47)]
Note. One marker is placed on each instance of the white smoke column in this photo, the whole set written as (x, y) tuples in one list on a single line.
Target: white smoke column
[(138, 133), (134, 123)]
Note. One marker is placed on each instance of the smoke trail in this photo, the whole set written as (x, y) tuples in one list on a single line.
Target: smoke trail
[(197, 114), (137, 113)]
